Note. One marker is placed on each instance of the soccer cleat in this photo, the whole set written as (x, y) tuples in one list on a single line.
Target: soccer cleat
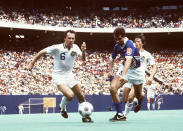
[(137, 108), (87, 119), (63, 113), (118, 117)]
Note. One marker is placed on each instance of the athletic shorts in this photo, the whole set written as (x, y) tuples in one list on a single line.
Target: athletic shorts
[(133, 76), (150, 95), (159, 102), (67, 79)]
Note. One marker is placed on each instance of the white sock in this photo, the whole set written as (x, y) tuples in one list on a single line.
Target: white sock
[(153, 106), (148, 106), (128, 108), (63, 103), (135, 101)]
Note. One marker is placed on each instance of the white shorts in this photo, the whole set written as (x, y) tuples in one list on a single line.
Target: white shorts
[(127, 85), (67, 79), (150, 95), (159, 102), (134, 76)]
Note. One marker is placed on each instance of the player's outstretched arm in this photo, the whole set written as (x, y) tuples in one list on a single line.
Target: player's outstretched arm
[(41, 53), (154, 68), (83, 49)]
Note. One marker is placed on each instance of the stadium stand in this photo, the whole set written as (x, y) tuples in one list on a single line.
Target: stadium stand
[(19, 43)]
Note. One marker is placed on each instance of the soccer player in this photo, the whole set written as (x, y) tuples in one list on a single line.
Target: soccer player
[(20, 109), (159, 100), (64, 58), (3, 109), (130, 71), (150, 97), (146, 59)]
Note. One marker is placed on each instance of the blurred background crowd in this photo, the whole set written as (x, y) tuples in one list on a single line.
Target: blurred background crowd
[(16, 80), (17, 45), (66, 18)]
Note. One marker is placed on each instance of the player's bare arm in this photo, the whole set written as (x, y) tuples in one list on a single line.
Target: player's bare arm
[(41, 53), (125, 69), (149, 80)]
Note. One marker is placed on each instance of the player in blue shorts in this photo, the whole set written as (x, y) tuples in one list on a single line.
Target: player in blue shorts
[(159, 100), (130, 71)]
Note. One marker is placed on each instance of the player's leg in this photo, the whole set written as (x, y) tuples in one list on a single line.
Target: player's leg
[(62, 84), (80, 97), (148, 103), (139, 96), (79, 93), (153, 103), (126, 91), (68, 96), (129, 103), (159, 103), (115, 85)]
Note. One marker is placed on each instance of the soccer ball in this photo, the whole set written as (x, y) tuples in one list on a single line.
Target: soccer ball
[(85, 109)]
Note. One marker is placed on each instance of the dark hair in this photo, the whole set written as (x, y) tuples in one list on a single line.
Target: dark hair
[(119, 32), (69, 31), (142, 37)]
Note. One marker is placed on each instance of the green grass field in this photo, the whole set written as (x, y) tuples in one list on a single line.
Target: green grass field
[(166, 120)]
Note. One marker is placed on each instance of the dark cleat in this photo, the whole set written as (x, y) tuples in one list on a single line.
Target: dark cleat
[(87, 119), (118, 117), (63, 113), (137, 108)]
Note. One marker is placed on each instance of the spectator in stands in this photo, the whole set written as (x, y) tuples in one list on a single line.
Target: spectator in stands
[(131, 19), (12, 78)]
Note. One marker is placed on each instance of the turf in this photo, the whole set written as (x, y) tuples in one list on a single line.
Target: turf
[(164, 120)]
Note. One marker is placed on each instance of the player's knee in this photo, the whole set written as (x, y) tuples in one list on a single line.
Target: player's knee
[(70, 97), (138, 94), (113, 90)]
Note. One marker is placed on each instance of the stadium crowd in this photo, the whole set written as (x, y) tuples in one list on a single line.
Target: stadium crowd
[(16, 80), (62, 18)]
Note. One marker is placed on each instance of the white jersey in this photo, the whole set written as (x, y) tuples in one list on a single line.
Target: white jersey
[(63, 58), (146, 59)]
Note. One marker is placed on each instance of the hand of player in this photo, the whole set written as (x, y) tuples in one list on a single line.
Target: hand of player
[(123, 80), (149, 81), (83, 46)]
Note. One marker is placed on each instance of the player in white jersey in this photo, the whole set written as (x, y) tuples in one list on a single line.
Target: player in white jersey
[(150, 96), (64, 58), (20, 109), (146, 59)]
